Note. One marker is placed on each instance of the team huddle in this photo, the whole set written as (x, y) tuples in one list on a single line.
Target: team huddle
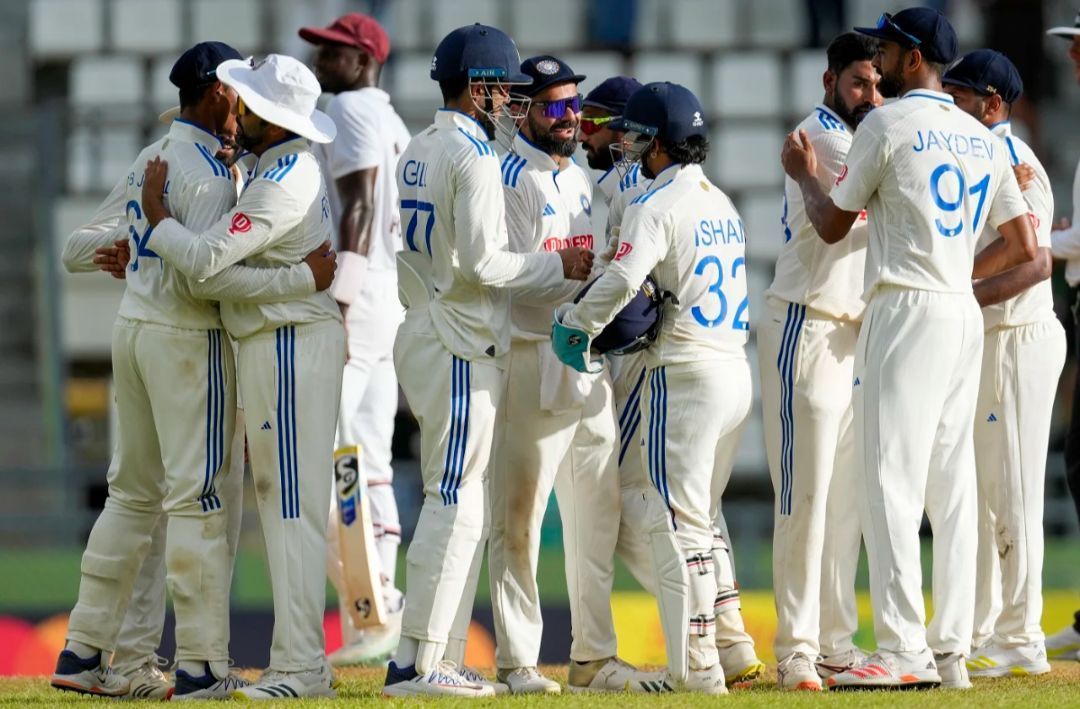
[(539, 357)]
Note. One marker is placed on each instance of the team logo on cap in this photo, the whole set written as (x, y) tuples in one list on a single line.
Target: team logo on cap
[(433, 60), (255, 65), (698, 120), (241, 224), (548, 67)]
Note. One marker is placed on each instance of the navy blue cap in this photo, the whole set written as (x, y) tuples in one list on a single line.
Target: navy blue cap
[(478, 52), (546, 71), (670, 112), (988, 73), (198, 66), (612, 94), (921, 28)]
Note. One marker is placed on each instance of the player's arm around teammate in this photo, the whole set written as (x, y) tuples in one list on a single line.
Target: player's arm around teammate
[(806, 344), (1023, 354)]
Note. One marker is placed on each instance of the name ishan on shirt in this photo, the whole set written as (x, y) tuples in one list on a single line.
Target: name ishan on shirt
[(955, 143), (722, 230)]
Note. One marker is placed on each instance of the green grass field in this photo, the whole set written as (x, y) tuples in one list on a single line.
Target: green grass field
[(1059, 689)]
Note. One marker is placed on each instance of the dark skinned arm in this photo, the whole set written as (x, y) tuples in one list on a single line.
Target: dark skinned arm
[(1016, 280), (357, 193), (800, 163), (1017, 245)]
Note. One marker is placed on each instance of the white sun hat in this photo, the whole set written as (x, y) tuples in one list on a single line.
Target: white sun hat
[(280, 90), (1066, 32)]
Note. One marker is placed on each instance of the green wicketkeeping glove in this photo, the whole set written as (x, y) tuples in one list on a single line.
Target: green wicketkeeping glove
[(572, 345)]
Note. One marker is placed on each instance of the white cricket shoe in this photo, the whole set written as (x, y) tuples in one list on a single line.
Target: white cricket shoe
[(442, 681), (995, 661), (207, 686), (797, 672), (275, 684), (1064, 645), (612, 675), (527, 680), (707, 681), (373, 648), (740, 663), (953, 670), (87, 676), (890, 670), (829, 665), (475, 677), (147, 681)]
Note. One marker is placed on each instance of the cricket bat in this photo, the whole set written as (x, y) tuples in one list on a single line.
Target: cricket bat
[(361, 577)]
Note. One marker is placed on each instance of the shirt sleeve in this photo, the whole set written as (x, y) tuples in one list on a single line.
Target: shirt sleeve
[(247, 284), (265, 213), (1007, 203), (106, 226), (481, 238), (643, 244), (864, 169), (832, 151), (1065, 243), (204, 201), (357, 145)]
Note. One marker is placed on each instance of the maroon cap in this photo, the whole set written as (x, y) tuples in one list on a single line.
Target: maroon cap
[(353, 30)]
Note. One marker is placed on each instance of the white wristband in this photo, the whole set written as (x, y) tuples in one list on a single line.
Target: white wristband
[(349, 278)]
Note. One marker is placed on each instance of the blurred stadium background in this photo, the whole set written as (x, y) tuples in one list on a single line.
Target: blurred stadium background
[(82, 82)]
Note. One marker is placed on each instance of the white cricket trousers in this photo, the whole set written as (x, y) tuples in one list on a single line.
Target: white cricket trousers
[(290, 381), (454, 401), (806, 363), (144, 621), (693, 415), (574, 451), (176, 398), (915, 389), (1020, 370)]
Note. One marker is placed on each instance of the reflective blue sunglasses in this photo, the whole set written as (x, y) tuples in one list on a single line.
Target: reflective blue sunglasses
[(886, 20), (557, 109)]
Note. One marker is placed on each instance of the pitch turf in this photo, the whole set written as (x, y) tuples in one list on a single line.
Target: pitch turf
[(1059, 689)]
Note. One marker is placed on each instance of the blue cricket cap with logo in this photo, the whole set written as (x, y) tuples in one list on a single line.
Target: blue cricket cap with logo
[(667, 111), (478, 52), (612, 94), (198, 66), (921, 28), (987, 72), (546, 71)]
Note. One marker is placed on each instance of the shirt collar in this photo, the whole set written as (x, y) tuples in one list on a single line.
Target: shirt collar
[(536, 158), (928, 94), (184, 129), (452, 118), (608, 183), (669, 173), (285, 147), (1002, 129), (825, 109)]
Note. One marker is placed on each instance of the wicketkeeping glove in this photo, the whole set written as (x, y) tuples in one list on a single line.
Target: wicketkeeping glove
[(572, 345)]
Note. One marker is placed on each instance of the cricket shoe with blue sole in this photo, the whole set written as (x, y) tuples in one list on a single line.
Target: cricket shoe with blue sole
[(995, 661), (87, 676)]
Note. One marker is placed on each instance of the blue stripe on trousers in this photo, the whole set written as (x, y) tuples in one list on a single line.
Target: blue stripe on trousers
[(785, 362)]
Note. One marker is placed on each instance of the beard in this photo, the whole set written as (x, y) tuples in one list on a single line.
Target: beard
[(247, 140), (854, 115), (892, 84), (598, 158), (551, 145)]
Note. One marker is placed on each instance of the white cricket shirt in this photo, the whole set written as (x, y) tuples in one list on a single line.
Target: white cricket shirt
[(930, 178), (825, 277), (453, 212), (1065, 243), (686, 233)]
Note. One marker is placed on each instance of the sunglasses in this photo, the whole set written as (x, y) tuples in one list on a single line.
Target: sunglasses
[(557, 109), (591, 125), (886, 20)]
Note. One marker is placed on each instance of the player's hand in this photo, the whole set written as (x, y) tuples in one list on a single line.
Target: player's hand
[(113, 260), (322, 262), (153, 191), (798, 156), (1025, 175), (576, 263)]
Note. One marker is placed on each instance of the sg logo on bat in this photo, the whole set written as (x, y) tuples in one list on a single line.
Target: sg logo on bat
[(346, 476)]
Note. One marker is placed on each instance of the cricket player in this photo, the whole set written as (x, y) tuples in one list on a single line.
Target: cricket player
[(455, 276), (169, 357), (687, 235), (290, 353), (1023, 354), (360, 165), (806, 345), (930, 177), (601, 107), (558, 425), (1065, 242)]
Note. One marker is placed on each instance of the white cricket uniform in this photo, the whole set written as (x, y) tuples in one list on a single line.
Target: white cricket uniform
[(1023, 354), (930, 176), (144, 620), (290, 356), (1065, 243), (171, 362), (686, 233), (449, 355), (370, 135), (806, 346), (557, 429)]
